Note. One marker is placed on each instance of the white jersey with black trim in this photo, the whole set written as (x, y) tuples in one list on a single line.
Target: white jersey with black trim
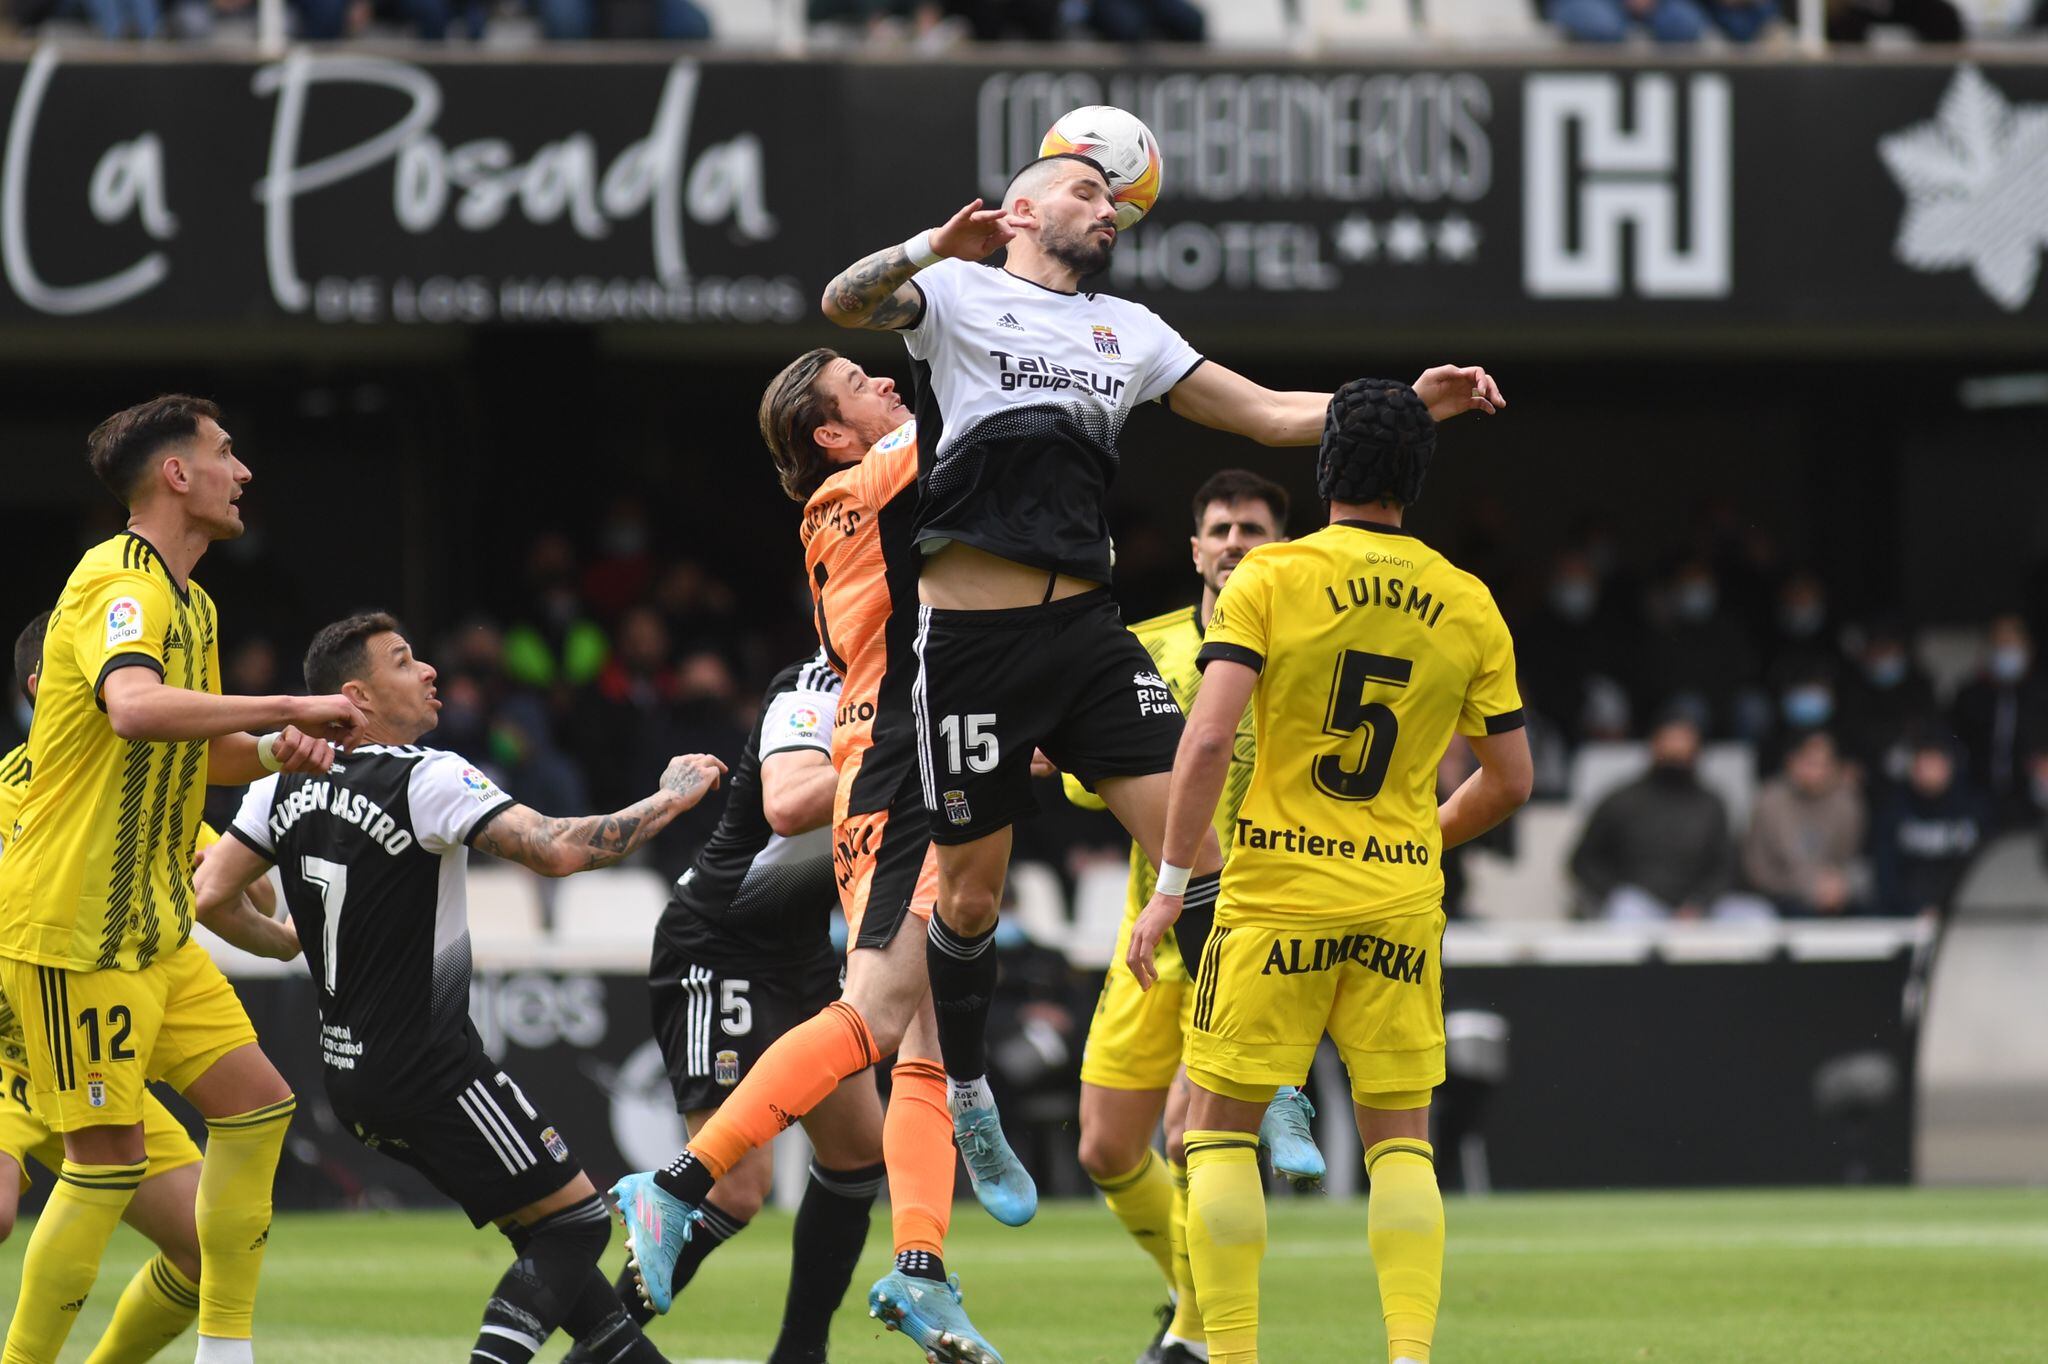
[(1022, 393)]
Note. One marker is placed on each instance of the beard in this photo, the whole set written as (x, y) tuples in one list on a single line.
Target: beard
[(1084, 252)]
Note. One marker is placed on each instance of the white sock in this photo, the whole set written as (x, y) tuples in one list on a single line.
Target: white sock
[(1198, 1348), (224, 1350), (962, 1095)]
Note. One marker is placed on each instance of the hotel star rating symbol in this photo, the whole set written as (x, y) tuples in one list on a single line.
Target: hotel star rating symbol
[(1406, 239)]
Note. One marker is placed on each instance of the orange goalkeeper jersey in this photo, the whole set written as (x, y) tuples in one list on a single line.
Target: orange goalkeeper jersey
[(862, 563)]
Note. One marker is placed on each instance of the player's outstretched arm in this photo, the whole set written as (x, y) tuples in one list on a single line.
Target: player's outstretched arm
[(797, 787), (875, 291), (1200, 765), (562, 847), (1218, 397), (140, 706), (227, 878), (1500, 787)]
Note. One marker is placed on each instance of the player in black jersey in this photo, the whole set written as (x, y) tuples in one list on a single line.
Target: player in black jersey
[(373, 856), (743, 953)]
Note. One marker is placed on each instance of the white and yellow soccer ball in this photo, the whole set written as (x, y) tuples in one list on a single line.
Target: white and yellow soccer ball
[(1119, 142)]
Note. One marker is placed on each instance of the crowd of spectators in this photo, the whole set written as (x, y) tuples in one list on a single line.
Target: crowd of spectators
[(937, 24)]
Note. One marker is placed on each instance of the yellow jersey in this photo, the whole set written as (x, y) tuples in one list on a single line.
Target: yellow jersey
[(98, 873), (1371, 649), (1174, 640)]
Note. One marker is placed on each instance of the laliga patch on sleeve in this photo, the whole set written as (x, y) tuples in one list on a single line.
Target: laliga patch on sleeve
[(805, 721), (479, 785), (124, 622)]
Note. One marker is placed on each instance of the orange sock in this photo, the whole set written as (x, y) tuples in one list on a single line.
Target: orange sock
[(917, 1145), (792, 1077)]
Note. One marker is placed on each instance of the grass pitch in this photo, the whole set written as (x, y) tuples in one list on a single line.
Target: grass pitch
[(1801, 1277)]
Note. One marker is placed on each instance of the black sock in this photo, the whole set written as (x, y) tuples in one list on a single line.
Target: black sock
[(831, 1229), (1197, 917), (920, 1264), (963, 973), (713, 1230), (686, 1178), (554, 1259), (603, 1327)]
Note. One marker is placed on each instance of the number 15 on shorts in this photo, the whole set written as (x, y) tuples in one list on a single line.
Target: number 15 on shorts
[(971, 744)]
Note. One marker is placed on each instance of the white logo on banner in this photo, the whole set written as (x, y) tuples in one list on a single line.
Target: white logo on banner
[(1626, 177), (1975, 178)]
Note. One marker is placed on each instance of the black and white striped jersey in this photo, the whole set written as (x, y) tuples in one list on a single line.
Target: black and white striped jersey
[(374, 860), (1022, 394), (753, 895)]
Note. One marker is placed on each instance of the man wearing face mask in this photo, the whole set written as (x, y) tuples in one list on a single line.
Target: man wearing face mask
[(1927, 833), (2001, 716), (1574, 665), (1699, 649), (1883, 700), (1659, 848)]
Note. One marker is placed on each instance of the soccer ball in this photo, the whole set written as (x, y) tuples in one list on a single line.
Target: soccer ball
[(1122, 145)]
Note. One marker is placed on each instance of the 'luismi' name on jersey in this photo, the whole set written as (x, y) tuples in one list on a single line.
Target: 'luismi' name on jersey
[(330, 798), (1390, 593)]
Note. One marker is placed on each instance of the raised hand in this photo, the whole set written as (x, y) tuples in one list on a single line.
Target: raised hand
[(333, 718), (1452, 390), (973, 233), (692, 776), (297, 751)]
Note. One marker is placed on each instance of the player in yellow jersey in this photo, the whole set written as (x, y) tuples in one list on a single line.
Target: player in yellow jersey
[(163, 1297), (1362, 651), (96, 904), (1131, 1067)]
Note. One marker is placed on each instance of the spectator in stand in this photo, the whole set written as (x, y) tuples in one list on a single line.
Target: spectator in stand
[(251, 669), (994, 20), (1697, 649), (1805, 687), (1884, 699), (1802, 623), (622, 722), (1668, 21), (2001, 716), (882, 20), (560, 646), (1659, 847), (699, 607), (1805, 844), (118, 19), (1927, 833), (1141, 21), (1572, 653), (623, 570), (680, 21)]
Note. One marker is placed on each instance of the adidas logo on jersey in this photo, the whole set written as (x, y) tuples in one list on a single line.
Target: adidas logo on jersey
[(1009, 322)]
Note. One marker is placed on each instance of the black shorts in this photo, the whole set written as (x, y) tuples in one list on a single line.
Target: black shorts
[(486, 1146), (993, 685), (714, 1019)]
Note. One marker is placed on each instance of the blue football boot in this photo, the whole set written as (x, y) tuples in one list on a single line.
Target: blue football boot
[(1000, 1180), (658, 1226), (929, 1312), (1286, 1133)]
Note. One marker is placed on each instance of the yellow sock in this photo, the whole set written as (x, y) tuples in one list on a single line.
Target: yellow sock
[(1227, 1239), (63, 1256), (1187, 1304), (1142, 1200), (233, 1212), (157, 1306), (1404, 1221)]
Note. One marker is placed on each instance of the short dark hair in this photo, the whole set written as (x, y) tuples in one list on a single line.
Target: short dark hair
[(1377, 441), (793, 407), (121, 447), (28, 653), (1011, 186), (340, 652), (1241, 485)]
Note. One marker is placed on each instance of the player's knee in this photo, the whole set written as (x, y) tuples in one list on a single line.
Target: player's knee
[(1106, 1154), (185, 1258), (744, 1190), (971, 910)]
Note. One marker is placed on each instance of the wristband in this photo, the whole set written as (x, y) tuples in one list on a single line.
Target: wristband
[(266, 752), (919, 249), (1172, 880)]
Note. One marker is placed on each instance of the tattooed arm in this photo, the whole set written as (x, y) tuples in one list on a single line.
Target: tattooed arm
[(875, 292), (562, 847)]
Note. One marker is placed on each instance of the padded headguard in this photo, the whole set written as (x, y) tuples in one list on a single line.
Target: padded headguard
[(1377, 442)]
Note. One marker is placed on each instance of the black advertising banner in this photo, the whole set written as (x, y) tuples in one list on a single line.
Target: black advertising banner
[(347, 189)]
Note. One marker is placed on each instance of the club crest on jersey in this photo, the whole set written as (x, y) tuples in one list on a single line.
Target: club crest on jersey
[(124, 621), (956, 807), (96, 1089), (725, 1068), (1105, 342), (557, 1148)]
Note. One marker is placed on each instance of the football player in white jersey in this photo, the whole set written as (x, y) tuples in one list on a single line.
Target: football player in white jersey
[(1024, 382)]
